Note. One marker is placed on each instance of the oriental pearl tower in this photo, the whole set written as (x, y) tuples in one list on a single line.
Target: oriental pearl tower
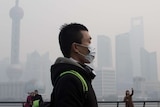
[(14, 71), (16, 13)]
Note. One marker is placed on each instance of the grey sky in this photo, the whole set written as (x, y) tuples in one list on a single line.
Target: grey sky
[(43, 18)]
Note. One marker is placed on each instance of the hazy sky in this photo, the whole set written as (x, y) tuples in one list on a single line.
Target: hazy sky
[(43, 18)]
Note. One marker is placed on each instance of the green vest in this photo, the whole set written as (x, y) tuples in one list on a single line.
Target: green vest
[(35, 103)]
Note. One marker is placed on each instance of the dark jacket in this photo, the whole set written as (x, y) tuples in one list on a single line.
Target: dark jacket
[(68, 89), (128, 100)]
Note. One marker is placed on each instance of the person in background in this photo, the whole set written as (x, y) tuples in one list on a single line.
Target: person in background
[(128, 98), (29, 100), (37, 99), (70, 76)]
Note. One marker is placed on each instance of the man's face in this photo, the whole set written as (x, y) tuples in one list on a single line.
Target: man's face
[(128, 93), (86, 41), (82, 48), (32, 93)]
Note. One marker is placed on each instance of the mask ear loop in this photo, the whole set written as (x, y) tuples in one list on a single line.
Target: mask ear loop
[(82, 46), (74, 47)]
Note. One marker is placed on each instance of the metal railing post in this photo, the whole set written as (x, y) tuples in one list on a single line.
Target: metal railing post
[(144, 104), (117, 104)]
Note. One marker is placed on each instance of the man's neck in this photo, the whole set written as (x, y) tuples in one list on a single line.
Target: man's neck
[(73, 59)]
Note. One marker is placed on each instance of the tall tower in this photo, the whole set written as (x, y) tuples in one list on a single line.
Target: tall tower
[(124, 73), (104, 52), (14, 71), (136, 43), (16, 13)]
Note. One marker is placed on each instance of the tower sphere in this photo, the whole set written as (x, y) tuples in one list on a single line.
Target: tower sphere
[(16, 12)]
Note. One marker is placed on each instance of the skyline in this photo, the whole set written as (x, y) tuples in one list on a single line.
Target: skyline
[(41, 22)]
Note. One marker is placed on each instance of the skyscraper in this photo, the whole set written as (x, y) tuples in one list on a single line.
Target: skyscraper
[(124, 71), (104, 52), (16, 13), (128, 57), (105, 84), (149, 66), (136, 43)]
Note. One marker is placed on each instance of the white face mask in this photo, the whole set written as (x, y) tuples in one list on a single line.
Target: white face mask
[(91, 55)]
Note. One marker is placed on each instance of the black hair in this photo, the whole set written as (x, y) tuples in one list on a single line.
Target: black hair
[(69, 34), (35, 90)]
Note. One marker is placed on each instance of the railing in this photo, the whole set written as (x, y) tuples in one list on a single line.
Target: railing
[(136, 103), (100, 103), (11, 104)]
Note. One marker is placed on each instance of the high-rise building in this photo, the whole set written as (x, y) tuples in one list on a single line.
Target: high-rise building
[(97, 84), (12, 91), (37, 72), (149, 66), (124, 73), (105, 84), (104, 52), (136, 43)]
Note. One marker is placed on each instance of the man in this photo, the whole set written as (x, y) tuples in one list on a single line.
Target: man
[(128, 99), (68, 91), (37, 99)]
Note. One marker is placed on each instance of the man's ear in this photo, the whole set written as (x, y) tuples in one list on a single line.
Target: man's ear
[(75, 48)]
